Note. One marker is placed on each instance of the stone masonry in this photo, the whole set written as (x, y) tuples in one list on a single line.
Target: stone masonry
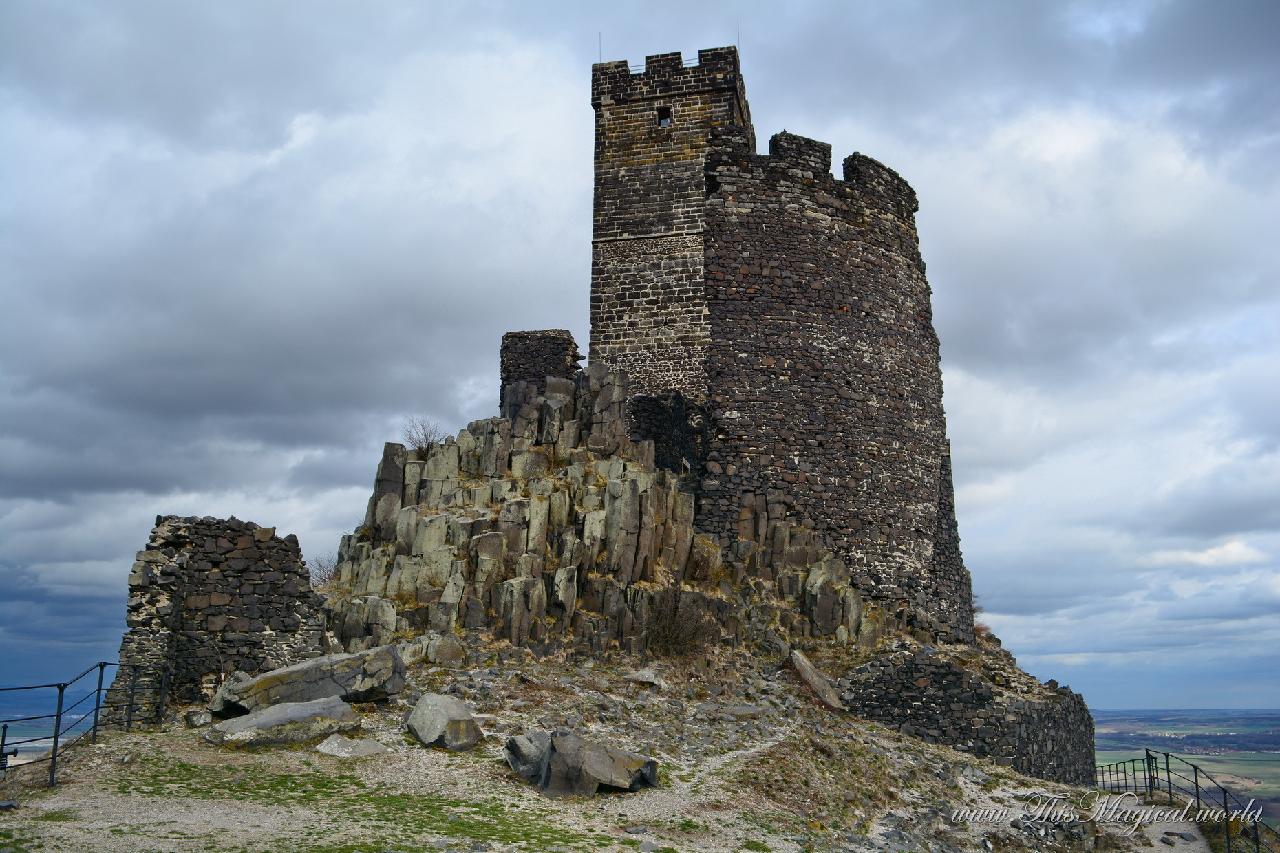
[(648, 302), (755, 456), (533, 356), (978, 702), (208, 596), (791, 310)]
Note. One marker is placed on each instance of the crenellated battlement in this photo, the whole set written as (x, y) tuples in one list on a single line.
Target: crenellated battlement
[(866, 183), (800, 152), (667, 75)]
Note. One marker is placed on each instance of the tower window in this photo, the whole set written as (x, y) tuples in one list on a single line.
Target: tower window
[(664, 116)]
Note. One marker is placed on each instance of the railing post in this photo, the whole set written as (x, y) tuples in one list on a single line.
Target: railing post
[(57, 733), (97, 699), (4, 755), (1195, 771), (133, 690), (1168, 779), (1226, 817)]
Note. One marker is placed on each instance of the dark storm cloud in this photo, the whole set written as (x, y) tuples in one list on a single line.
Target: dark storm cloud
[(239, 243)]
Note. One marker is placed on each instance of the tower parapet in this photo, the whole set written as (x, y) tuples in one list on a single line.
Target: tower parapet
[(648, 310)]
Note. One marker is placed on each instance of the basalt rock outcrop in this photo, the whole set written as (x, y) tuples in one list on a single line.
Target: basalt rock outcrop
[(551, 526)]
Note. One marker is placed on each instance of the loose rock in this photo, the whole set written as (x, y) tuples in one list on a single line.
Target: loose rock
[(289, 722), (361, 677), (444, 721), (345, 747), (816, 680), (563, 763)]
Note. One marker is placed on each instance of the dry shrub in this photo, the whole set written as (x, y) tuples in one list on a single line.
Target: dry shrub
[(323, 570), (680, 627), (421, 433)]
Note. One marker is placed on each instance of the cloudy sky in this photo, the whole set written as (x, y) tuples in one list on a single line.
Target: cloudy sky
[(240, 242)]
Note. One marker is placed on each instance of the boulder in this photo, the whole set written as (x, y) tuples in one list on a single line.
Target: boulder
[(444, 721), (345, 747), (442, 649), (528, 753), (562, 763), (289, 722), (361, 677), (816, 681)]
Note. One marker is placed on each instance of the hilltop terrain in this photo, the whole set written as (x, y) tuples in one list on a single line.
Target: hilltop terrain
[(748, 761)]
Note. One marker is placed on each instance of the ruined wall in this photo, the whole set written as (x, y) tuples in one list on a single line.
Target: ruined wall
[(980, 703), (535, 355), (208, 596), (677, 428), (648, 312), (823, 370)]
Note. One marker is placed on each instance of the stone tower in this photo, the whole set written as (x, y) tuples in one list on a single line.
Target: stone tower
[(791, 308), (648, 303)]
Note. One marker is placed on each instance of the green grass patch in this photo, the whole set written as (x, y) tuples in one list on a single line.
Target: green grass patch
[(385, 818), (18, 842)]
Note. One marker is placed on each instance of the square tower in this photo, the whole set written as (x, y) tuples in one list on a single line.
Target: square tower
[(648, 296)]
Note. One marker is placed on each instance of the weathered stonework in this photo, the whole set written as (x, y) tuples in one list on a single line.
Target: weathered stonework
[(823, 371), (755, 456), (792, 305), (980, 702), (208, 596), (648, 306), (533, 356)]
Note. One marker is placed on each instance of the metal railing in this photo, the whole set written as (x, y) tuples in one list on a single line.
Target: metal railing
[(1160, 775), (77, 718)]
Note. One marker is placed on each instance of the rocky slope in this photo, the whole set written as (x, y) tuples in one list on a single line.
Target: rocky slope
[(551, 529), (748, 760)]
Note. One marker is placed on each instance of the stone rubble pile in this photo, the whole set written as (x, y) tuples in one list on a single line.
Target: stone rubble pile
[(978, 700)]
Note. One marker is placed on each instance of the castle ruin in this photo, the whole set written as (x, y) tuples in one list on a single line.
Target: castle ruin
[(757, 448), (792, 309)]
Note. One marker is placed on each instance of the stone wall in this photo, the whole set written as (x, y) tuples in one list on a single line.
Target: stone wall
[(677, 428), (980, 702), (533, 356), (823, 370), (208, 596), (648, 312)]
